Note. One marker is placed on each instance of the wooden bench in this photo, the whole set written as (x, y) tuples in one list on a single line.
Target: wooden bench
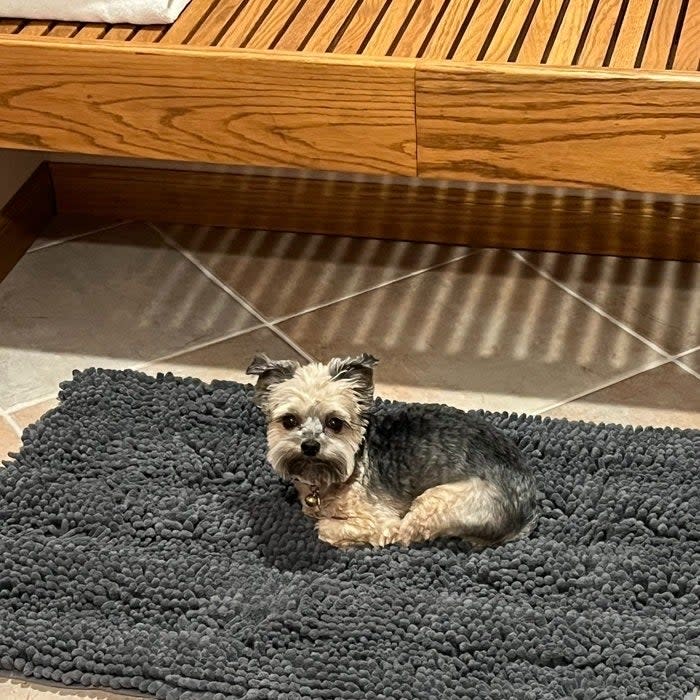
[(577, 94)]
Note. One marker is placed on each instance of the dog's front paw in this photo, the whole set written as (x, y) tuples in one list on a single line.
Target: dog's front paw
[(410, 531), (386, 535), (355, 532), (332, 532)]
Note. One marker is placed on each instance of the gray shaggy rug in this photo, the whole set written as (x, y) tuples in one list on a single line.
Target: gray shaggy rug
[(145, 545)]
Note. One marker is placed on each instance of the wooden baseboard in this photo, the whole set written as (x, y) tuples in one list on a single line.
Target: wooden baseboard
[(24, 216), (619, 224)]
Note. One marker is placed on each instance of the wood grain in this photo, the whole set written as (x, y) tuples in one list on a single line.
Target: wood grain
[(444, 34), (207, 29), (387, 208), (658, 48), (621, 34), (475, 35), (359, 27), (570, 127), (420, 27), (600, 34), (24, 217), (250, 16), (688, 52), (275, 23), (333, 21), (389, 28), (508, 31), (629, 39), (542, 27), (192, 17), (310, 15), (570, 33), (213, 106)]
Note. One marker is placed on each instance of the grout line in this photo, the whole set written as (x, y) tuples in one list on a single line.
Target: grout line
[(681, 355), (140, 366), (620, 378), (33, 402), (264, 322), (672, 360), (232, 293), (271, 324), (209, 274), (415, 273), (51, 244), (687, 369), (677, 360), (591, 305), (13, 423), (292, 343), (199, 346)]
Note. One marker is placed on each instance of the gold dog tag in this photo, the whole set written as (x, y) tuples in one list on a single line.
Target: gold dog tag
[(312, 500)]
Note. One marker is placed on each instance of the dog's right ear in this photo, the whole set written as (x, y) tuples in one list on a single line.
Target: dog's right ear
[(269, 372)]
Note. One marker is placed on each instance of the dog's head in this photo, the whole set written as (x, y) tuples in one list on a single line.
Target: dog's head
[(316, 415)]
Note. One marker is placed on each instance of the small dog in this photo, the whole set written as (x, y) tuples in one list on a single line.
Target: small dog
[(375, 474)]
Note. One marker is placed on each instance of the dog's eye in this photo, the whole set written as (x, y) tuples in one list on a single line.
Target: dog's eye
[(334, 424), (290, 422)]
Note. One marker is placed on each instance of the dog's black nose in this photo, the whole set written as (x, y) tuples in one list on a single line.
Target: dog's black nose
[(310, 447)]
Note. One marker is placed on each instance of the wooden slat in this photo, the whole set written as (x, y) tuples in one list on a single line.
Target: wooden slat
[(36, 28), (10, 26), (250, 15), (422, 211), (569, 34), (181, 104), (629, 40), (478, 29), (688, 52), (148, 35), (536, 40), (335, 18), (387, 31), (192, 17), (508, 31), (446, 32), (596, 46), (120, 32), (301, 26), (512, 124), (92, 31), (65, 29), (214, 25), (417, 31), (658, 46), (24, 216), (359, 27), (587, 33), (274, 23)]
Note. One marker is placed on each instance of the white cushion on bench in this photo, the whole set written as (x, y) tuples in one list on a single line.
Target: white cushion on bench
[(110, 11)]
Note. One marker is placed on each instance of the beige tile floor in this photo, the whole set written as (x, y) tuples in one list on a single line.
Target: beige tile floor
[(592, 338)]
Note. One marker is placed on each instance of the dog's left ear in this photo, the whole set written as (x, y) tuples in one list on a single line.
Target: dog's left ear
[(269, 372), (359, 371)]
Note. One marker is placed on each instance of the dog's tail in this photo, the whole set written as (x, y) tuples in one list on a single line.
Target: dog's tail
[(525, 530)]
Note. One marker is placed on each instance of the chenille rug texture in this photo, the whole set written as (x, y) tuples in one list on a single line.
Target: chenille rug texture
[(146, 546)]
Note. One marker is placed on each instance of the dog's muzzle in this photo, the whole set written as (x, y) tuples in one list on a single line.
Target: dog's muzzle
[(310, 470)]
